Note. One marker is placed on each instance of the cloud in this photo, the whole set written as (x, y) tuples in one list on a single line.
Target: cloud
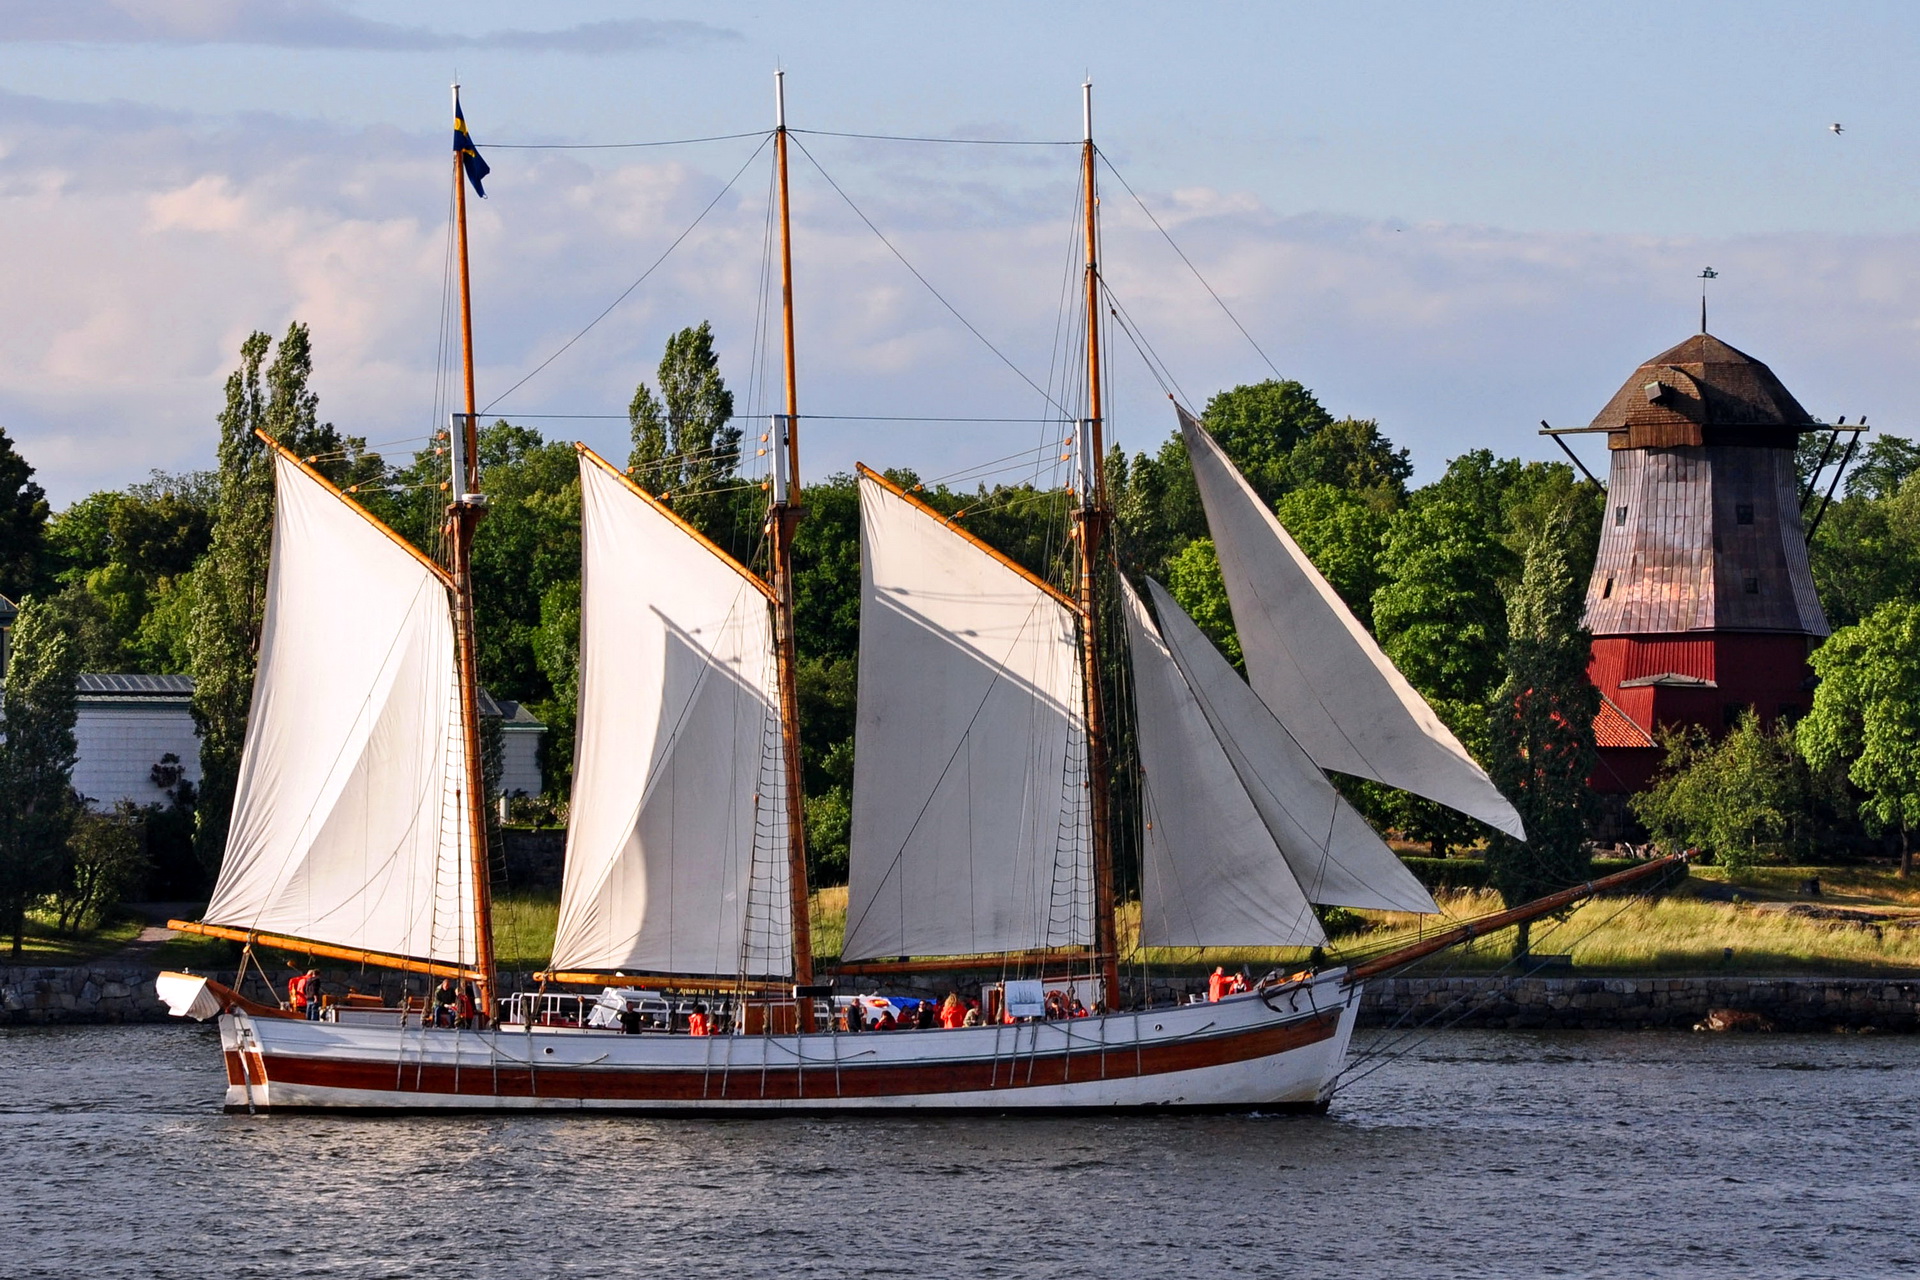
[(313, 24), (149, 245)]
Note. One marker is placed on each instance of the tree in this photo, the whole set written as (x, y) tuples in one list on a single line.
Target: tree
[(1740, 799), (106, 860), (556, 648), (1259, 425), (684, 443), (1542, 748), (1353, 456), (1866, 552), (229, 599), (37, 752), (23, 522), (1885, 467), (1866, 715), (1342, 532), (1194, 579)]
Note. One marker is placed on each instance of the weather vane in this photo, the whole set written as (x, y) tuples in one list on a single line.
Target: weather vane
[(1707, 274)]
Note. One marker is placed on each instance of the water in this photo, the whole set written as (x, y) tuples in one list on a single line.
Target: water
[(1481, 1154)]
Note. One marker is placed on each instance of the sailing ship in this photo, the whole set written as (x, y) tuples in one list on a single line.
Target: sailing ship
[(981, 836)]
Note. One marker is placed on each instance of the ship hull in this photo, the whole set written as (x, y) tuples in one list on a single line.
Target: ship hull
[(1276, 1049)]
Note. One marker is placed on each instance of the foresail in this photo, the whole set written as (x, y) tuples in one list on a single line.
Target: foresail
[(348, 826), (1335, 855), (970, 818), (676, 854), (1213, 874), (1316, 667)]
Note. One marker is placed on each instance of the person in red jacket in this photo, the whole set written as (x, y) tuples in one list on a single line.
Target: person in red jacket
[(953, 1014), (697, 1022), (1218, 984)]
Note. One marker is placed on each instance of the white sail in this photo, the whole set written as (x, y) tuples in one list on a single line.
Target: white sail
[(1212, 874), (348, 826), (970, 818), (1316, 667), (1337, 858), (676, 854)]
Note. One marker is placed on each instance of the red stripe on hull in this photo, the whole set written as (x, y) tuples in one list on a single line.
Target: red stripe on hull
[(642, 1085)]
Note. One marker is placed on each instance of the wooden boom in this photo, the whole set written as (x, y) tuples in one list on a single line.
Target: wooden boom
[(354, 955), (1502, 919)]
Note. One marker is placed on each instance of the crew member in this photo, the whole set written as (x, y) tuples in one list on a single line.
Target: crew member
[(697, 1024), (1217, 984), (953, 1014)]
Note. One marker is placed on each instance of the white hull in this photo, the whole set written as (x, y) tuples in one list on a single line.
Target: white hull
[(1279, 1048)]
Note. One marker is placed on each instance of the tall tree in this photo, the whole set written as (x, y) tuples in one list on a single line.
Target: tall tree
[(23, 522), (37, 805), (684, 442), (1343, 533), (1259, 426), (1866, 715), (1740, 799), (229, 599), (1542, 749)]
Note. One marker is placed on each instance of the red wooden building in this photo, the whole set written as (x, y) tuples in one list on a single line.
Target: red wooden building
[(1701, 603)]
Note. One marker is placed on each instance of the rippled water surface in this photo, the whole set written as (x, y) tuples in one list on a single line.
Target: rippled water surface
[(1478, 1154)]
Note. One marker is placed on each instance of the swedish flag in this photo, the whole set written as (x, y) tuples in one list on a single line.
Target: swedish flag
[(469, 154)]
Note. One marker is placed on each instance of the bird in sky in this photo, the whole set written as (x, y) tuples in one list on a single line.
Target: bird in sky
[(1836, 127)]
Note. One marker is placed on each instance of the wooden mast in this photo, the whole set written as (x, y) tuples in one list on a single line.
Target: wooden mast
[(783, 517), (1091, 518), (465, 506)]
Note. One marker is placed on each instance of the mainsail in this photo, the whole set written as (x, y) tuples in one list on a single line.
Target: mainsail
[(1212, 873), (675, 844), (1316, 667), (970, 823), (1338, 859), (348, 824)]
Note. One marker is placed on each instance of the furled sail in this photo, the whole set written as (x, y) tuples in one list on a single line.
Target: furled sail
[(970, 819), (676, 854), (1316, 667), (1213, 874), (348, 826), (1337, 858)]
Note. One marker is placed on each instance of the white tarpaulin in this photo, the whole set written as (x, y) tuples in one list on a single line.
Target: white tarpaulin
[(1316, 667), (348, 825), (676, 852), (1337, 858), (969, 809), (1213, 874)]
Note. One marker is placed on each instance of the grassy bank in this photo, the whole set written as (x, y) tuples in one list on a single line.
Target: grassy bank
[(1865, 922)]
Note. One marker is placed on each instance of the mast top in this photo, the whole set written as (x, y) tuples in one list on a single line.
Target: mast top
[(1086, 110), (780, 99)]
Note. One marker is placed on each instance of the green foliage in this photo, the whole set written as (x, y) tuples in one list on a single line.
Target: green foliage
[(529, 541), (1259, 425), (1884, 468), (556, 648), (1343, 533), (1866, 553), (106, 860), (23, 522), (1193, 579), (1542, 748), (1742, 799), (37, 805), (684, 444), (1440, 614), (1866, 715), (1351, 455)]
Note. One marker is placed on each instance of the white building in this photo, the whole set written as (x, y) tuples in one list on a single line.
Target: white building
[(125, 726), (128, 724)]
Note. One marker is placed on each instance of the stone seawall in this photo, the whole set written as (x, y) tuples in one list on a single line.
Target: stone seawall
[(107, 993), (1787, 1004)]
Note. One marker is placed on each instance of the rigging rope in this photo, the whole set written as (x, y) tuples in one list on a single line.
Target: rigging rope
[(537, 369)]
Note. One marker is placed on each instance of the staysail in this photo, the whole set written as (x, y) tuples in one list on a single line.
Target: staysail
[(970, 824), (1212, 873), (675, 846), (1316, 667), (1336, 856), (348, 823)]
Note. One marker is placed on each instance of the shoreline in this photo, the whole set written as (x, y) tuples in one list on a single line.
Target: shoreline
[(104, 994)]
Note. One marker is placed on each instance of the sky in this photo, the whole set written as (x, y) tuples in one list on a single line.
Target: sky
[(1458, 220)]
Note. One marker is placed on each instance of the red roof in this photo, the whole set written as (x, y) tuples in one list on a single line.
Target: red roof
[(1613, 727)]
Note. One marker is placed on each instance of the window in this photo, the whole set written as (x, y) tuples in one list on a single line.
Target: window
[(1743, 513), (1606, 592), (1753, 585), (1619, 516)]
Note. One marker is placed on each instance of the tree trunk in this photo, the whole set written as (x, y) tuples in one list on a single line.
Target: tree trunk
[(1522, 939), (19, 928), (1906, 853)]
